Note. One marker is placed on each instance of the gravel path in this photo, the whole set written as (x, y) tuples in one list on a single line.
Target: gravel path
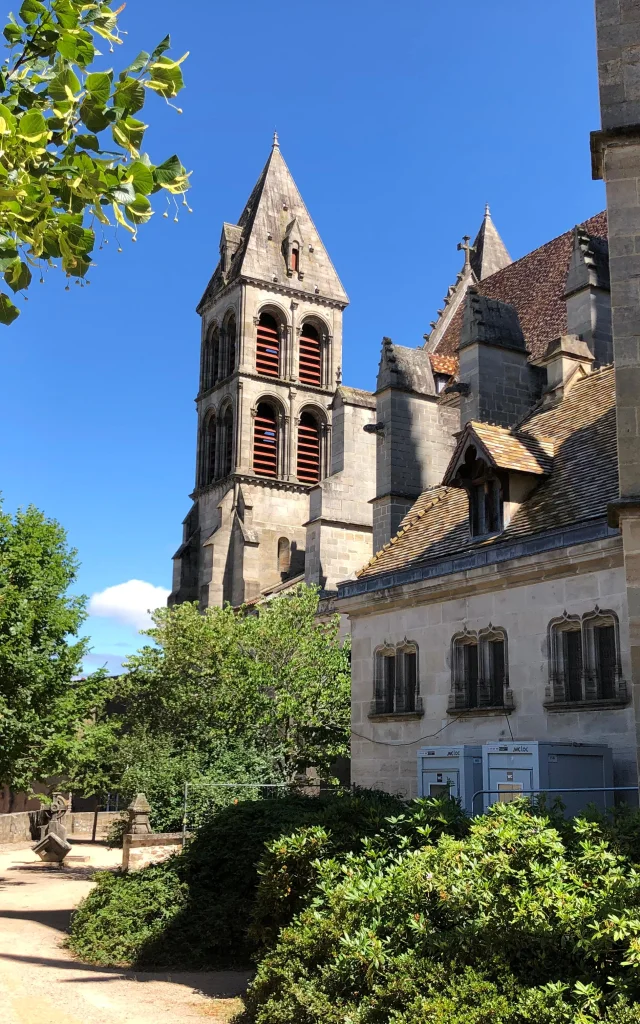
[(40, 981)]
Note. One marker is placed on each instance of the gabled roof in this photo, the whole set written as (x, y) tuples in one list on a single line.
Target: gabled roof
[(535, 285), (504, 449), (583, 481), (354, 396), (273, 206), (407, 369)]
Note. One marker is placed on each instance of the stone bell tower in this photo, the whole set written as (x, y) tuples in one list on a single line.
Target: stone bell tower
[(270, 365)]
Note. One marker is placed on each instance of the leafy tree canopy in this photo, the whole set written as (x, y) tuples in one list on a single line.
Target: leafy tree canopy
[(42, 704), (223, 695), (71, 139)]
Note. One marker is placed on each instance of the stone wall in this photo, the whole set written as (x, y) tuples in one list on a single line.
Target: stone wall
[(23, 826), (503, 384), (522, 600), (143, 851)]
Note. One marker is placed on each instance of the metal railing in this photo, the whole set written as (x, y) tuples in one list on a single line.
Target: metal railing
[(515, 794)]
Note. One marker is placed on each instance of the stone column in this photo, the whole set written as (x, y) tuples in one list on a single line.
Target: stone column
[(616, 158)]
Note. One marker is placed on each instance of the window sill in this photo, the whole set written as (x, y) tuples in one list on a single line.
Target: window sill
[(499, 709), (395, 716), (613, 703)]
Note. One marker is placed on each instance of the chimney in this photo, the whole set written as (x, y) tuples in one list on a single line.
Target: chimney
[(561, 359)]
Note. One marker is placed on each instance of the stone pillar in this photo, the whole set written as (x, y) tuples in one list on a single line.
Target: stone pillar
[(616, 158)]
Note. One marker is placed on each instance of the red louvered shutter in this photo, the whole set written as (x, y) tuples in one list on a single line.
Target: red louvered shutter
[(265, 442), (308, 450), (268, 347), (310, 367)]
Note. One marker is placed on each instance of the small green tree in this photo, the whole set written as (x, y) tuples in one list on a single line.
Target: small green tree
[(278, 680), (43, 703), (59, 172)]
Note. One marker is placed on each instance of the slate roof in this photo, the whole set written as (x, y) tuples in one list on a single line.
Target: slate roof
[(490, 253), (582, 482), (509, 449), (535, 285), (405, 368)]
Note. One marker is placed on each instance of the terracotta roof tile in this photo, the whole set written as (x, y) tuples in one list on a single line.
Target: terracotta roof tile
[(535, 286), (514, 449), (582, 482), (443, 364)]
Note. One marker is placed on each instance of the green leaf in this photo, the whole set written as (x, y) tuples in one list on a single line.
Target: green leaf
[(129, 133), (32, 126), (98, 85), (95, 116), (88, 142), (166, 77), (7, 120), (168, 171), (139, 211), (31, 10), (77, 48), (13, 34), (136, 65), (161, 48), (66, 13), (141, 178), (18, 276), (8, 312), (129, 96), (124, 193), (66, 80)]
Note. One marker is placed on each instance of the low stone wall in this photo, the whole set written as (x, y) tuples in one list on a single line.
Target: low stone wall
[(142, 851), (21, 827), (25, 825)]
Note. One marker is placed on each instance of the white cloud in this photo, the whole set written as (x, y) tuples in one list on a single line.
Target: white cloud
[(128, 603)]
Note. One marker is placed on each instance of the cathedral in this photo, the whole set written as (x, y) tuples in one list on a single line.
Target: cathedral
[(476, 519)]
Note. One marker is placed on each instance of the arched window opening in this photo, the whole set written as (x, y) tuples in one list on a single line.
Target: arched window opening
[(226, 445), (284, 556), (308, 449), (479, 669), (585, 664), (265, 441), (295, 260), (210, 452), (231, 344), (211, 358), (310, 356), (268, 346), (396, 681), (486, 495)]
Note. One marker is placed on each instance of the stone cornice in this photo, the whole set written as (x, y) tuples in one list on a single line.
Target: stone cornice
[(343, 524), (271, 286), (624, 135), (593, 546)]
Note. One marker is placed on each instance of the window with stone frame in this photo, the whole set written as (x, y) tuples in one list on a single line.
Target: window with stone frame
[(479, 671), (584, 660), (396, 681), (485, 488)]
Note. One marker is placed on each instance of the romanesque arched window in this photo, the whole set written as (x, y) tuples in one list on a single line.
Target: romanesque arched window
[(210, 448), (229, 346), (226, 442), (265, 441), (310, 370), (284, 556), (308, 464), (210, 358), (268, 346)]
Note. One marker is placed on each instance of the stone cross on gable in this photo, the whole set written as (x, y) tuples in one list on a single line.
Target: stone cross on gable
[(464, 246)]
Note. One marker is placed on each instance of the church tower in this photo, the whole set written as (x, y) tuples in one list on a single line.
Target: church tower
[(269, 370)]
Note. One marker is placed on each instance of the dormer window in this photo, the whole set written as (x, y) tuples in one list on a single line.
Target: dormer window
[(486, 497)]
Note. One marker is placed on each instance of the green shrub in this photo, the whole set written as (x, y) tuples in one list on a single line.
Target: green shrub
[(117, 831), (513, 923), (123, 911), (218, 877)]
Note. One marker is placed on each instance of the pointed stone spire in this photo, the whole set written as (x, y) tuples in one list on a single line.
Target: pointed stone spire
[(276, 141), (489, 253)]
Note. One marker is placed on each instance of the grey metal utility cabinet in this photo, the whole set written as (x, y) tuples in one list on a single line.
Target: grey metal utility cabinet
[(512, 768), (454, 770)]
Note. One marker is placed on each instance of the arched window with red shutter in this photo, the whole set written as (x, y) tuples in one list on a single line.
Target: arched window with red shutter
[(268, 346), (308, 467), (265, 441), (310, 371)]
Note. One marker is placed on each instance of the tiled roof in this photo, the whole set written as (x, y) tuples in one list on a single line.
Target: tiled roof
[(443, 364), (582, 482), (512, 449), (535, 286)]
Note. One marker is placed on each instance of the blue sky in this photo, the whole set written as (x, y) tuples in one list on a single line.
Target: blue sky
[(398, 121)]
